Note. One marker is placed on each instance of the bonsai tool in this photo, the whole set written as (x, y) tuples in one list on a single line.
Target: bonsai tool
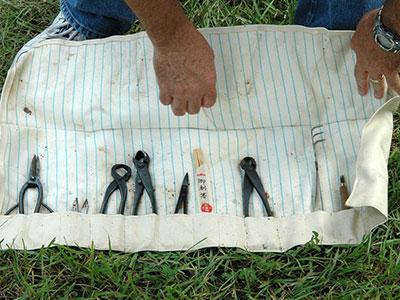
[(33, 182), (252, 180), (143, 181), (183, 195), (119, 183), (317, 138)]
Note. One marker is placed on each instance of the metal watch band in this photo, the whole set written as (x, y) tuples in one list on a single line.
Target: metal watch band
[(381, 32)]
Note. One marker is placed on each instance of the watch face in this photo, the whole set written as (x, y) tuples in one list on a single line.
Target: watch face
[(384, 41)]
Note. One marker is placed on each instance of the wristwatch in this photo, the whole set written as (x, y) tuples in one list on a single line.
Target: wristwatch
[(384, 37)]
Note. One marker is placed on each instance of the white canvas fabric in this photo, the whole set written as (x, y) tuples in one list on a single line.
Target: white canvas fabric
[(84, 106)]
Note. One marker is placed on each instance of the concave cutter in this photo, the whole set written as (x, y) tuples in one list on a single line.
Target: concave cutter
[(252, 180), (143, 181)]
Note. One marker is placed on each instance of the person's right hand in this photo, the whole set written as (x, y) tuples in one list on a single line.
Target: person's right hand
[(185, 72)]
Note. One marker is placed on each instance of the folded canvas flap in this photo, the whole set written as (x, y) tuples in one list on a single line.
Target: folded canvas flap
[(84, 106)]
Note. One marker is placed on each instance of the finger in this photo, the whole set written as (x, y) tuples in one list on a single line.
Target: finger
[(393, 82), (379, 87), (165, 96), (361, 79), (193, 106), (209, 99), (179, 106)]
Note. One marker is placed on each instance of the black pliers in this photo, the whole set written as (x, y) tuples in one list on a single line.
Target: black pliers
[(252, 180), (143, 181), (33, 182), (119, 182)]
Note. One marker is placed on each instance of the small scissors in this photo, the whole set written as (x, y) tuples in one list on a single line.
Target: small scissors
[(119, 182), (183, 194), (84, 209), (252, 180), (33, 182), (143, 181)]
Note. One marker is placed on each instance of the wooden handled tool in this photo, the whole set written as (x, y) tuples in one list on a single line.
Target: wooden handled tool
[(203, 186)]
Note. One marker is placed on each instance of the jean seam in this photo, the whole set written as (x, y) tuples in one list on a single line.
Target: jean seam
[(313, 9)]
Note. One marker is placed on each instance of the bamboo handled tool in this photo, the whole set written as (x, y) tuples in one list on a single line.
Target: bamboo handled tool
[(203, 186)]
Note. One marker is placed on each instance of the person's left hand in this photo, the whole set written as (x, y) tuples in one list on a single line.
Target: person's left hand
[(372, 61)]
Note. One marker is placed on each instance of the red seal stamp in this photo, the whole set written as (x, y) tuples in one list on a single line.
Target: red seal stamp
[(205, 207)]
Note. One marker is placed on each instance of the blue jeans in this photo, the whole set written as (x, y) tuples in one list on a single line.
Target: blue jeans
[(102, 18), (333, 14)]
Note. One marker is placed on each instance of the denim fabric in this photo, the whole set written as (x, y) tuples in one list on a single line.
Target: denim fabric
[(98, 18), (102, 18), (333, 14)]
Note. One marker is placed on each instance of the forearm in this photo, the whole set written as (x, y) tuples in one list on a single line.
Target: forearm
[(163, 19), (391, 15)]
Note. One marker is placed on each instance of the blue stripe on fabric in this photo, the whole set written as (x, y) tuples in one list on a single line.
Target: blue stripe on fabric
[(112, 129), (213, 171), (284, 137), (171, 147), (219, 142), (191, 156), (248, 105), (55, 126), (93, 128), (318, 115), (120, 102), (106, 171), (267, 103), (308, 113), (301, 126), (162, 151), (200, 146), (65, 132), (238, 101), (140, 115), (9, 157), (149, 112), (45, 120), (34, 100), (75, 131), (345, 113), (280, 118), (84, 124), (129, 96), (350, 87), (19, 138), (232, 120), (181, 154), (237, 93), (29, 158), (327, 118), (259, 106)]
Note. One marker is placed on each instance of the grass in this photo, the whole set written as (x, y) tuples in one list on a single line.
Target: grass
[(370, 270)]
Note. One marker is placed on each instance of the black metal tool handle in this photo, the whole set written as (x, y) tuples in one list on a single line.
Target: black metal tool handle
[(248, 164)]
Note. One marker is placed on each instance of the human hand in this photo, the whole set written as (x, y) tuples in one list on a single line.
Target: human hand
[(372, 62), (185, 72)]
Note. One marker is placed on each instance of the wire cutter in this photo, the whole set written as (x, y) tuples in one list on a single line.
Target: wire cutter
[(252, 180), (33, 182), (119, 182), (143, 181), (183, 195)]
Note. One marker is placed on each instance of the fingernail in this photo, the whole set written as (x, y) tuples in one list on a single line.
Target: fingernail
[(378, 95)]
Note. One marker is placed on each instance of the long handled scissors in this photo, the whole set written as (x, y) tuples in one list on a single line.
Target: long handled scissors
[(33, 182)]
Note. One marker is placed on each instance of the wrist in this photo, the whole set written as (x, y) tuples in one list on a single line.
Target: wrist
[(391, 17)]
